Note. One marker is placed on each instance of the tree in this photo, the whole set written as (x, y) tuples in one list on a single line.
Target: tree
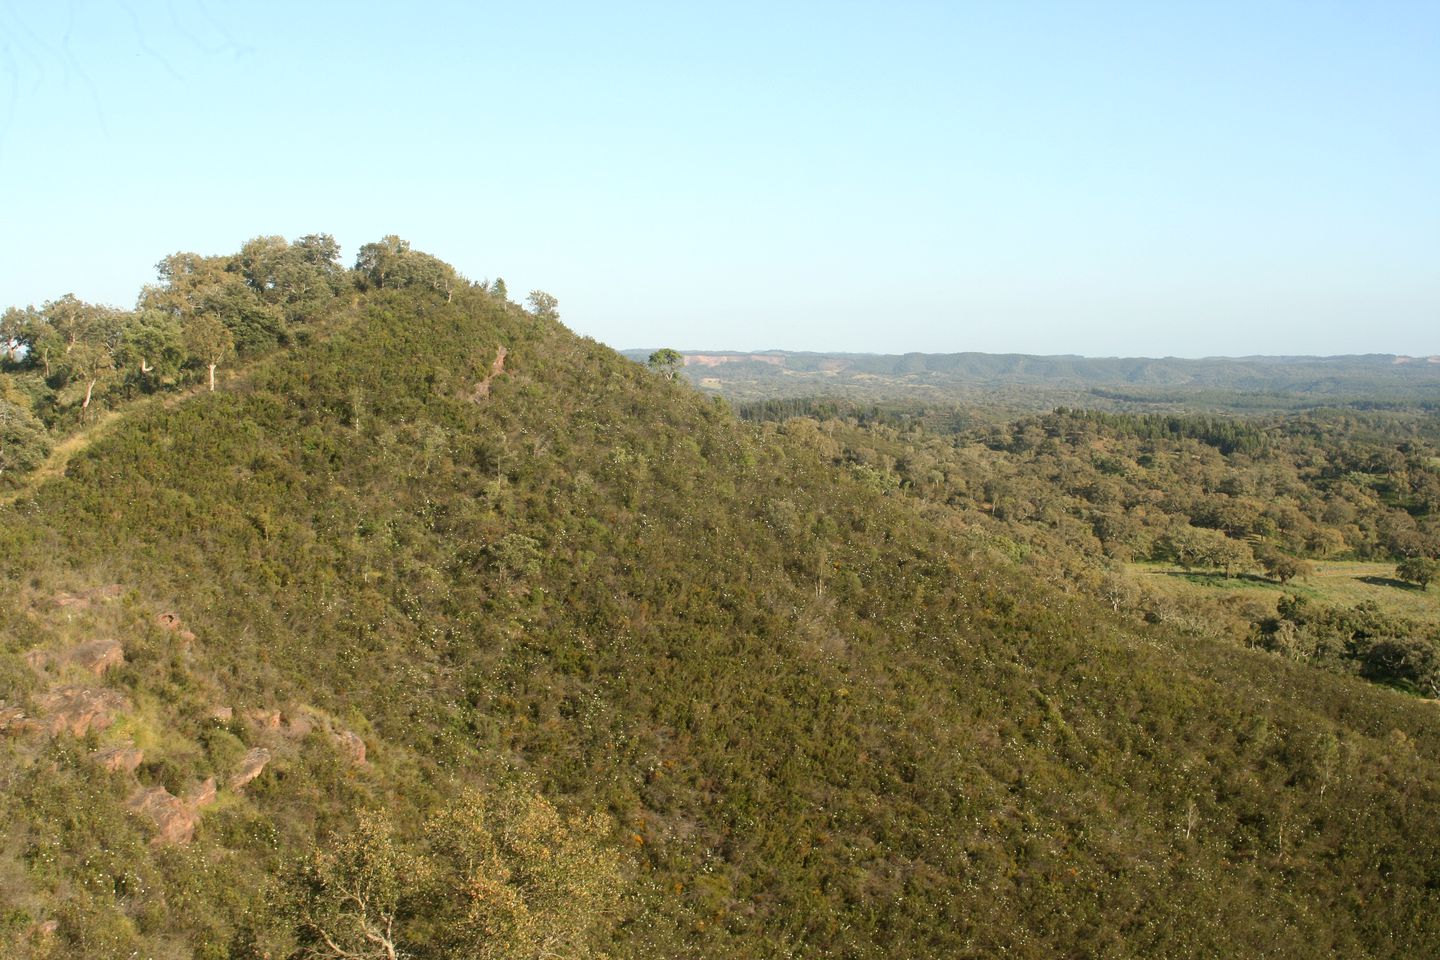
[(495, 874), (390, 262), (543, 305), (1418, 570), (1200, 547), (298, 278), (376, 261), (350, 894), (18, 331), (24, 442), (92, 338), (192, 284), (1282, 567), (1410, 661), (208, 342), (666, 362), (89, 363), (152, 347), (512, 878)]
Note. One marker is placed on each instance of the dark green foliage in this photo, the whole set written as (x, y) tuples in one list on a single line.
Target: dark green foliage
[(1418, 570), (1282, 567), (24, 443), (1384, 648), (667, 362)]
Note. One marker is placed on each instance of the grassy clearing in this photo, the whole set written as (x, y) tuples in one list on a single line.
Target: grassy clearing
[(1343, 583)]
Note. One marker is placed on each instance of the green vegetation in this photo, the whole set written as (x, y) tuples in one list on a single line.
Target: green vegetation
[(1418, 570), (1089, 492), (666, 362), (579, 663)]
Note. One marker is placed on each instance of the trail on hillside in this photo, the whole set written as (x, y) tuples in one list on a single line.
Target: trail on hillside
[(79, 441)]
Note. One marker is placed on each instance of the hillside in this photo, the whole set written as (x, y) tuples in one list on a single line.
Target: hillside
[(1039, 382), (438, 627)]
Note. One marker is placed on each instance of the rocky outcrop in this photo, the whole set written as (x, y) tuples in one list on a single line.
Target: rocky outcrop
[(222, 713), (83, 599), (202, 794), (13, 720), (77, 710), (350, 745), (264, 719), (306, 720), (174, 819), (251, 766), (171, 621), (97, 656), (298, 726), (120, 759), (482, 389)]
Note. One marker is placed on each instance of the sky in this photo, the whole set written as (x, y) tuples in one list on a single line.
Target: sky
[(1137, 179)]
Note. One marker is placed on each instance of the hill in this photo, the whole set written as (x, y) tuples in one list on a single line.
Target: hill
[(438, 630), (1214, 382)]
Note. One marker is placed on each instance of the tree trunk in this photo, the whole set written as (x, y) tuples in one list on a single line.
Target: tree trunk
[(85, 407), (212, 377)]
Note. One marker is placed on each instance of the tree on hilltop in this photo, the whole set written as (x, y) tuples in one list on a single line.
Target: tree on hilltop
[(208, 341), (543, 305), (666, 362)]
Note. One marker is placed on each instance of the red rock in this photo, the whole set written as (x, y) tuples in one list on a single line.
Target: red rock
[(71, 601), (13, 719), (264, 719), (202, 795), (299, 727), (223, 714), (251, 766), (79, 709), (97, 656), (350, 745), (120, 759), (174, 819)]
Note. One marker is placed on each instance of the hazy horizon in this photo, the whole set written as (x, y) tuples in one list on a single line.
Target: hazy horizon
[(1017, 353)]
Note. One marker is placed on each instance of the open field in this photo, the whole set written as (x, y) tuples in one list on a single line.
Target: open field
[(1338, 582)]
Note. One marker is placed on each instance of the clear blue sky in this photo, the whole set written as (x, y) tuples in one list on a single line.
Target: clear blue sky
[(1148, 178)]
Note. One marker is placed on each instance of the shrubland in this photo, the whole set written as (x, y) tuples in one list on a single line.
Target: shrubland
[(578, 663)]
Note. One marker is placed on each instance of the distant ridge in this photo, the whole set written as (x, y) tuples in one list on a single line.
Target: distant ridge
[(936, 376)]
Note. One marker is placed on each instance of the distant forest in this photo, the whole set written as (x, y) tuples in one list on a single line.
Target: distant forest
[(1038, 382)]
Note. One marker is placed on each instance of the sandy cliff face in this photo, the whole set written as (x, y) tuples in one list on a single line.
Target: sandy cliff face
[(715, 360)]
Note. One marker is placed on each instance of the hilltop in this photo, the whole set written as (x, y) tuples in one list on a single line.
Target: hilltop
[(435, 626)]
